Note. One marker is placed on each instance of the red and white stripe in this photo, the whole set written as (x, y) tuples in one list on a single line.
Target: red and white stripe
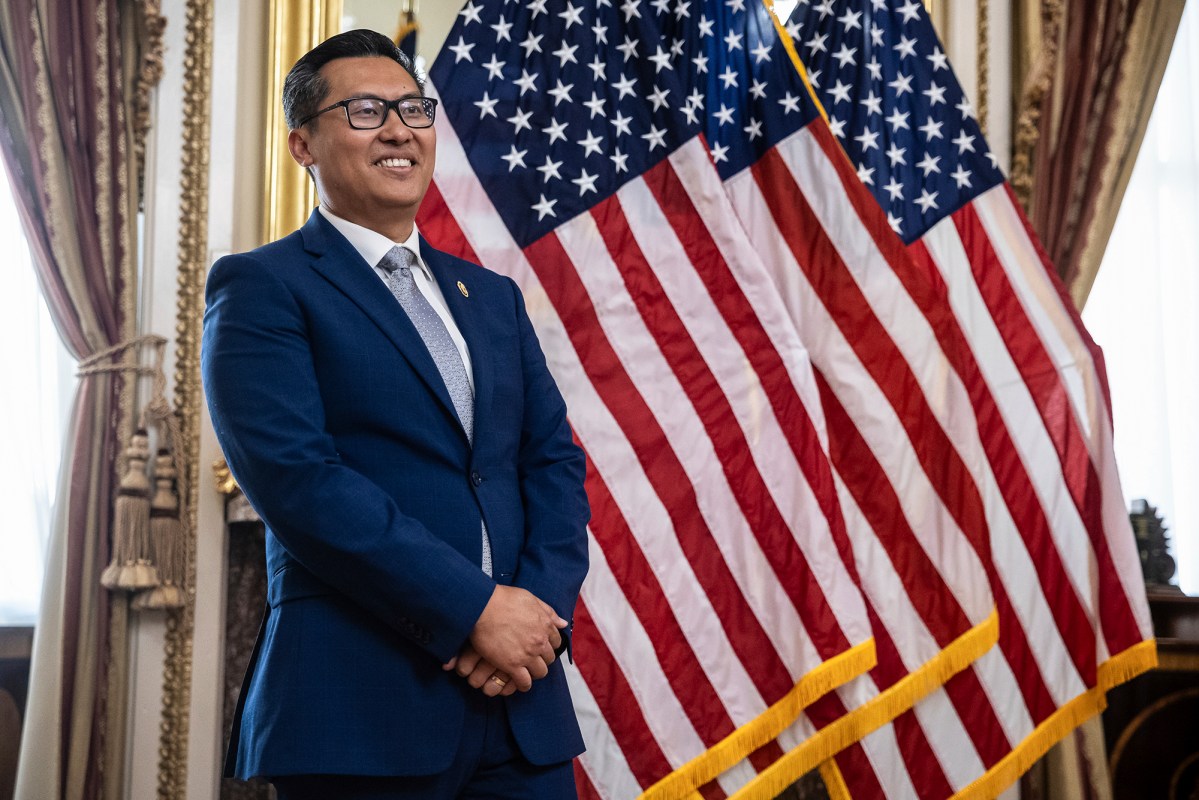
[(721, 571)]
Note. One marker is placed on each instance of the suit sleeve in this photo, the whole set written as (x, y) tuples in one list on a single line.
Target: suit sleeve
[(266, 408), (551, 466)]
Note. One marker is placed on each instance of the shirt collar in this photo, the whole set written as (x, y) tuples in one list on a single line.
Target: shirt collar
[(372, 245)]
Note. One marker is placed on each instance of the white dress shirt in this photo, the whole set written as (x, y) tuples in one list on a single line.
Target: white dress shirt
[(372, 246)]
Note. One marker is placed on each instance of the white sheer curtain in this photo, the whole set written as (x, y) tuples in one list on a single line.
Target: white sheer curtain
[(1144, 310), (35, 384)]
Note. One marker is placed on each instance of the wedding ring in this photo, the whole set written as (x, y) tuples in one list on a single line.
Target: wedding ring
[(500, 682)]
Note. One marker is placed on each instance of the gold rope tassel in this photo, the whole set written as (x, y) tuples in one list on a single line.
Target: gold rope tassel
[(165, 538), (131, 569)]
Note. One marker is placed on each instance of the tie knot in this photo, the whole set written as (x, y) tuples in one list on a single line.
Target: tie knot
[(397, 258)]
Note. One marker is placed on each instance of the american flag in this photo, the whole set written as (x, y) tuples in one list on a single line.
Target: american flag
[(838, 413)]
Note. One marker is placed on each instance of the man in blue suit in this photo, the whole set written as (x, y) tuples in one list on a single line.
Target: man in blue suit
[(388, 412)]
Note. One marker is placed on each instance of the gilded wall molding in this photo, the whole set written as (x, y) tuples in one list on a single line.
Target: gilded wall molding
[(1032, 97), (984, 65), (295, 28), (192, 268)]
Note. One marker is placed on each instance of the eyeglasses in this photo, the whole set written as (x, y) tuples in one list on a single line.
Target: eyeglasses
[(369, 113)]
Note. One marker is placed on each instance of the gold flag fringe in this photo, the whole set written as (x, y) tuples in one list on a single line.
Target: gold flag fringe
[(147, 533)]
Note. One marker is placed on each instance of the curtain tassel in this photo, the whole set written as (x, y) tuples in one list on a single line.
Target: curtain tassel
[(166, 536), (131, 568)]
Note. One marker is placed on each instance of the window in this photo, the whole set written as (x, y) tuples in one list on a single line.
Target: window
[(35, 393), (1142, 311)]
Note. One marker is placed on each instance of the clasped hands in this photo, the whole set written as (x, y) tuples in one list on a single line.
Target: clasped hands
[(512, 644)]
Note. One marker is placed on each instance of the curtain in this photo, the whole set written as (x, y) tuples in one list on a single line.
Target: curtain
[(1081, 119), (68, 144)]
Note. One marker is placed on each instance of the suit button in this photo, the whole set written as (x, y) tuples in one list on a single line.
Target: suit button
[(476, 478)]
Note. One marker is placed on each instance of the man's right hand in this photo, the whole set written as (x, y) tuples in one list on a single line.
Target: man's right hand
[(518, 633)]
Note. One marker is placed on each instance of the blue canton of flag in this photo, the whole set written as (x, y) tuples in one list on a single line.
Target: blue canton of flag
[(556, 111), (896, 108)]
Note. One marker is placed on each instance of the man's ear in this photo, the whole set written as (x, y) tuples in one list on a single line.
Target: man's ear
[(297, 143)]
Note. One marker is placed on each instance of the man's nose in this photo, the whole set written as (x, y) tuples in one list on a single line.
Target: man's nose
[(393, 128)]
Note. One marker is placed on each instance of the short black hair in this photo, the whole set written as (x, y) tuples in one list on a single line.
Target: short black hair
[(304, 87)]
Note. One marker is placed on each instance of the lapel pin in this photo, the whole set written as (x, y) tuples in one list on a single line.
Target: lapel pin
[(462, 288)]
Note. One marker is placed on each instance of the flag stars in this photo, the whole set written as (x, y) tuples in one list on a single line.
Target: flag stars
[(939, 60), (618, 160), (630, 9), (789, 102), (928, 164), (560, 92), (590, 144), (549, 169), (461, 50), (837, 126), (754, 129), (895, 222), (656, 137), (902, 84), (931, 130), (758, 90), (595, 105), (720, 153), (682, 10), (910, 11), (532, 44), (527, 82), (895, 153), (761, 53), (964, 142), (556, 131), (585, 182), (572, 15), (705, 26), (873, 103), (495, 68), (894, 188), (601, 33), (629, 48), (851, 20), (566, 53), (898, 120), (724, 116), (471, 14), (515, 158), (906, 47), (661, 6), (537, 7), (866, 174), (624, 86), (661, 60), (733, 41), (658, 97), (621, 123), (825, 9), (934, 93), (521, 120), (502, 30), (486, 106), (840, 92), (875, 68), (962, 177), (599, 70), (876, 35), (735, 5), (817, 43), (965, 108), (729, 77), (544, 208), (846, 56), (701, 64), (927, 200), (868, 139)]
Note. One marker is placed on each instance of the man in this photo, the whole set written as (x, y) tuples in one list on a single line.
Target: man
[(388, 412)]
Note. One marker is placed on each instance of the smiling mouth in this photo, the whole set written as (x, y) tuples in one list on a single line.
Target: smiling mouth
[(394, 162)]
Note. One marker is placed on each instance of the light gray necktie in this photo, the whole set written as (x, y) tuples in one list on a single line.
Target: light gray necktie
[(398, 264)]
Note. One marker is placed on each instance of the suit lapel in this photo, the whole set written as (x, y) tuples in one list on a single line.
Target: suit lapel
[(338, 262)]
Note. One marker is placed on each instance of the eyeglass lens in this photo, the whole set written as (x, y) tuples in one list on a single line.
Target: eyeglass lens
[(369, 112)]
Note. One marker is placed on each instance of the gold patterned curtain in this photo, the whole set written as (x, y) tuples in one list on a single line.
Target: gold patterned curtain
[(1081, 118), (69, 123)]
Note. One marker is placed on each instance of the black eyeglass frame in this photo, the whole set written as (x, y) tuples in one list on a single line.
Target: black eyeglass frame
[(429, 103)]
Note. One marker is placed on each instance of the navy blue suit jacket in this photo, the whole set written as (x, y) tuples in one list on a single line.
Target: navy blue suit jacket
[(338, 427)]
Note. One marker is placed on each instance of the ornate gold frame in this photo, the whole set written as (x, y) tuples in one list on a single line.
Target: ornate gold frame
[(295, 28), (192, 268)]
